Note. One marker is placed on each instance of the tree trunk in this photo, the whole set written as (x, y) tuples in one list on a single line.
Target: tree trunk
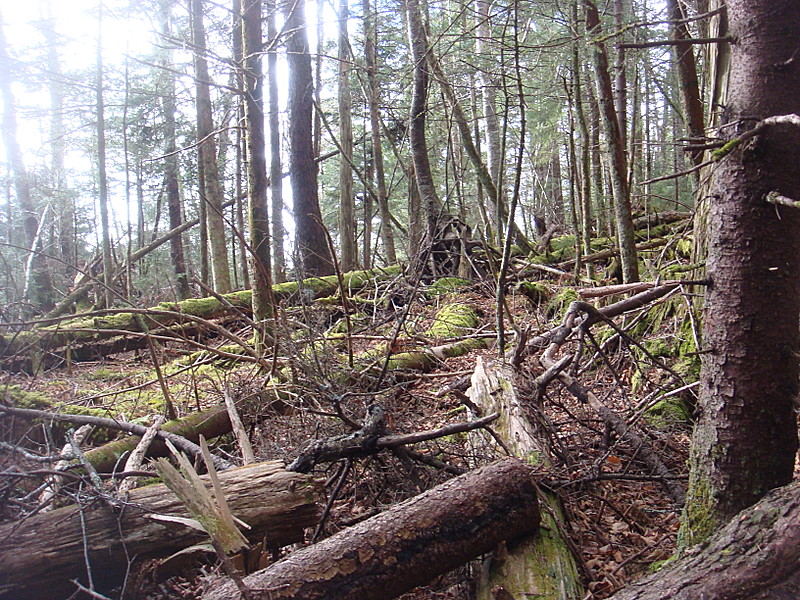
[(171, 159), (540, 564), (407, 545), (275, 163), (418, 39), (261, 275), (43, 553), (211, 190), (347, 221), (745, 440), (371, 60), (616, 147), (40, 286), (102, 178), (687, 76), (310, 240)]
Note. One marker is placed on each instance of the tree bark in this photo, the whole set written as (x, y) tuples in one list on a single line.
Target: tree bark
[(347, 221), (418, 39), (41, 554), (171, 159), (540, 564), (687, 75), (258, 210), (616, 147), (745, 440), (371, 60), (407, 545), (310, 240), (275, 162), (211, 190)]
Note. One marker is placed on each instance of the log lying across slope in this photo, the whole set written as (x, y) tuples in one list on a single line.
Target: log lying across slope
[(40, 555), (407, 545), (46, 346)]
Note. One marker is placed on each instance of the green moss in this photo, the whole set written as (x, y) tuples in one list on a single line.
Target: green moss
[(536, 292), (453, 320), (698, 521), (446, 285), (16, 396), (669, 412), (560, 302)]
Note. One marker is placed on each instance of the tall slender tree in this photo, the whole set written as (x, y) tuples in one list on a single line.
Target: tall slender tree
[(616, 148), (310, 241), (261, 276), (102, 175), (39, 286), (275, 161), (371, 59), (174, 205), (347, 222), (211, 188)]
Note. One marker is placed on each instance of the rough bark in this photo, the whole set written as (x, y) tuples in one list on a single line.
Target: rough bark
[(754, 557), (41, 554), (407, 545), (211, 189), (174, 206), (745, 439), (258, 210), (616, 147), (311, 243), (371, 60), (540, 564), (347, 221)]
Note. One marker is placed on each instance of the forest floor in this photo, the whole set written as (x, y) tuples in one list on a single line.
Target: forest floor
[(619, 517)]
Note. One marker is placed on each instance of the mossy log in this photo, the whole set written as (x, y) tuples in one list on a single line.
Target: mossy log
[(540, 565), (406, 546), (46, 345), (756, 556), (41, 554)]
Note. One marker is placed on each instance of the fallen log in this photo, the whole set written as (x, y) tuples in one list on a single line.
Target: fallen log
[(540, 564), (25, 350), (42, 554), (406, 546), (754, 557)]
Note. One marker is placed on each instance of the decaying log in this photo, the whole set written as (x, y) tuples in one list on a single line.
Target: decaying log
[(540, 565), (40, 555), (184, 433), (26, 349), (754, 557), (408, 545)]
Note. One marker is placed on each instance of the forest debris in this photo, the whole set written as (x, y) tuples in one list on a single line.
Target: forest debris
[(370, 440), (40, 555), (406, 546), (136, 458), (166, 433), (754, 557)]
